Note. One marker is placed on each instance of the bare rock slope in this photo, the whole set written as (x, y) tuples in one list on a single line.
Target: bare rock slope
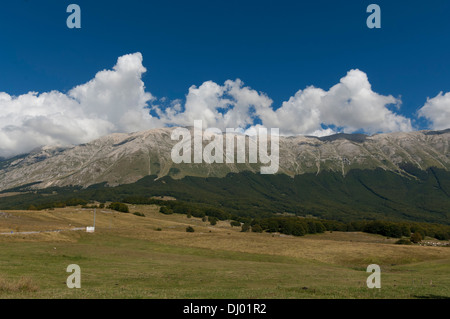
[(125, 158)]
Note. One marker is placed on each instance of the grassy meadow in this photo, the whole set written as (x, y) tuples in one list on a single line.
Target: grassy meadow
[(153, 256)]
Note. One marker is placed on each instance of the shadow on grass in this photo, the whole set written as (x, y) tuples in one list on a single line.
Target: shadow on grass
[(432, 297)]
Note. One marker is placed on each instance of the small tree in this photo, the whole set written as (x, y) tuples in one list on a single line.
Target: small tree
[(416, 238), (257, 228), (165, 210), (245, 228), (212, 220)]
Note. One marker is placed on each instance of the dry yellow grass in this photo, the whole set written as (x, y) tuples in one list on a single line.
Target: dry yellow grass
[(214, 261), (356, 249), (24, 284)]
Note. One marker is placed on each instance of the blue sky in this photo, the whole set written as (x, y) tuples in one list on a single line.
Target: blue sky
[(275, 47)]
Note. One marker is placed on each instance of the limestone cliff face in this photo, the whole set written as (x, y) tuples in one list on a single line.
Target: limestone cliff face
[(125, 158)]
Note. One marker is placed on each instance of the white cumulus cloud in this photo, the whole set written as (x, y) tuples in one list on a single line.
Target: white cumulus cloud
[(351, 105), (437, 111), (222, 106), (114, 101), (117, 100)]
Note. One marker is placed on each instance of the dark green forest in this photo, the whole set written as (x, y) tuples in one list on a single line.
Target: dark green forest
[(349, 202)]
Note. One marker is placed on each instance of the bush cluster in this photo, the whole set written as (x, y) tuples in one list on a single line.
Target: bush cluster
[(58, 204), (120, 207)]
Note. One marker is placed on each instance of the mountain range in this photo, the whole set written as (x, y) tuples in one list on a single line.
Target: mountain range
[(125, 158), (401, 176)]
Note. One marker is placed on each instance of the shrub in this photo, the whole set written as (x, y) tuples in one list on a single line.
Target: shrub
[(190, 229), (234, 223), (403, 241), (165, 210), (212, 220), (139, 214), (245, 227), (120, 207)]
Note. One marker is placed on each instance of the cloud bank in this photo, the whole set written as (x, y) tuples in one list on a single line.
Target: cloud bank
[(350, 105), (116, 100)]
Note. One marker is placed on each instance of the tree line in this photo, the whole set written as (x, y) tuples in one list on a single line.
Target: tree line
[(271, 223), (297, 226)]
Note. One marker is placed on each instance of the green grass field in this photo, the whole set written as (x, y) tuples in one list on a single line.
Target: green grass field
[(154, 257)]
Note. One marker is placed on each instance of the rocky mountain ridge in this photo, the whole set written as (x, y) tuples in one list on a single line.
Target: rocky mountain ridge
[(125, 158)]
